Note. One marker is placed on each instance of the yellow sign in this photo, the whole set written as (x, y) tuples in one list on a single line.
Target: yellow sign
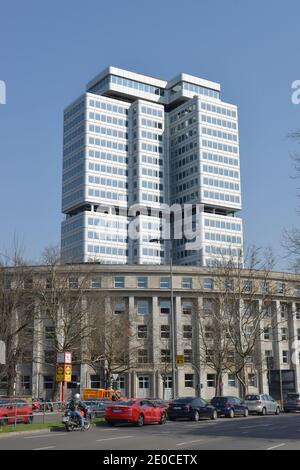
[(180, 360), (63, 373)]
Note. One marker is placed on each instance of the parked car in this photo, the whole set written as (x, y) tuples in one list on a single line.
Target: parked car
[(136, 411), (15, 410), (159, 402), (291, 402), (192, 408), (261, 404), (230, 406)]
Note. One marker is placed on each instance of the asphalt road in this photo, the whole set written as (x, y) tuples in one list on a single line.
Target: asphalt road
[(255, 432)]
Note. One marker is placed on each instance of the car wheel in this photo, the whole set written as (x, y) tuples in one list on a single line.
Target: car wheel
[(230, 414), (277, 411), (4, 421), (263, 412), (246, 412), (214, 415), (196, 416), (140, 421), (163, 419)]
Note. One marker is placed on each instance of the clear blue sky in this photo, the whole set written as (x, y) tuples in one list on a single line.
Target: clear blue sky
[(51, 49)]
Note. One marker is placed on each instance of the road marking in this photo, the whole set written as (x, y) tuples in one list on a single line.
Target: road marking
[(188, 442), (275, 447), (257, 426), (43, 448), (45, 435), (112, 438)]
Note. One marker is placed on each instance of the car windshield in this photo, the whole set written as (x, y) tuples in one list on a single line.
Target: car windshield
[(4, 402), (182, 400), (219, 400), (293, 396), (252, 397), (125, 403)]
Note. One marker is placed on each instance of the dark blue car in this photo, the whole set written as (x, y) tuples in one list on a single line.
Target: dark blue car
[(229, 406)]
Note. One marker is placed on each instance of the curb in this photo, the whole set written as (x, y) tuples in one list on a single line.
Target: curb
[(18, 433)]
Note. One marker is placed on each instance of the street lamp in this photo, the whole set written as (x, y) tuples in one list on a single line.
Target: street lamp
[(172, 314)]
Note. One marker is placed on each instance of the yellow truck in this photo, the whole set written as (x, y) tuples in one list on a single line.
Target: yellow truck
[(100, 393)]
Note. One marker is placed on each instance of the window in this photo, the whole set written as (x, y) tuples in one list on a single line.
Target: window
[(142, 356), (247, 285), (209, 355), (283, 334), (142, 331), (187, 283), (228, 284), (95, 381), (297, 312), (144, 382), (165, 355), (231, 380), (280, 287), (189, 380), (165, 331), (49, 332), (230, 357), (297, 290), (119, 282), (265, 287), (142, 307), (50, 357), (298, 334), (165, 282), (188, 355), (142, 282), (165, 306), (187, 307), (267, 331), (96, 282), (26, 382), (285, 357), (211, 380), (252, 380), (74, 381), (208, 332), (73, 282), (187, 331), (283, 310), (48, 381), (208, 283), (119, 307)]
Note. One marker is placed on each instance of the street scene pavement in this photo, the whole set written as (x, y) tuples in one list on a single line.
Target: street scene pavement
[(252, 433)]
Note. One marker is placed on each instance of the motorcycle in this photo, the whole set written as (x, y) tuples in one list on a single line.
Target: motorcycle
[(72, 422)]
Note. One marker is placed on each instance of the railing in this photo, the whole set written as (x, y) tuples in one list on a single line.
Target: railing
[(13, 412)]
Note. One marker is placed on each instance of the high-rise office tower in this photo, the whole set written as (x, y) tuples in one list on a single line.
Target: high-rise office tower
[(133, 144)]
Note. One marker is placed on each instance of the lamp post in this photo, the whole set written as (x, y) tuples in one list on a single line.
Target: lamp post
[(173, 363)]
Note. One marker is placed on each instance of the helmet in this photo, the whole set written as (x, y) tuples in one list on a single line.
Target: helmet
[(77, 396)]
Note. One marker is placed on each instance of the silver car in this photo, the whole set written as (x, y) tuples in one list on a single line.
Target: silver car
[(261, 404)]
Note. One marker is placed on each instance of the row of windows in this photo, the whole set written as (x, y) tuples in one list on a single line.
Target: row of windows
[(78, 107), (222, 237), (221, 184), (74, 184), (152, 252), (152, 172), (150, 123), (74, 146), (149, 135), (107, 222), (218, 122), (152, 111), (76, 170), (222, 224), (73, 197), (70, 226), (219, 134), (108, 169), (183, 112), (72, 135), (222, 197), (218, 109), (107, 237), (219, 146), (108, 131), (201, 90), (151, 160), (220, 171), (74, 122), (186, 173), (152, 185), (185, 136), (107, 195), (108, 182), (183, 124), (108, 156), (185, 160), (185, 186), (108, 107), (74, 159), (220, 158), (109, 119), (126, 82), (187, 198), (108, 143), (77, 237), (221, 250), (151, 197), (107, 250), (185, 148), (149, 148)]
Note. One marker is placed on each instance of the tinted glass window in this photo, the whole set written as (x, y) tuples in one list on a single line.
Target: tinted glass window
[(293, 396), (126, 403), (252, 397), (219, 400), (3, 402), (182, 400)]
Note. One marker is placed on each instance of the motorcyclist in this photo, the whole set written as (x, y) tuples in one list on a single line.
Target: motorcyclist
[(116, 396), (75, 406)]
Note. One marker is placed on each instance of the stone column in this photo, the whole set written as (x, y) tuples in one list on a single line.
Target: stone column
[(294, 346), (36, 378)]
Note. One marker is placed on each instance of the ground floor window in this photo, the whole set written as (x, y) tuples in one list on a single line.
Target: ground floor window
[(144, 381), (95, 381), (167, 381), (211, 380), (189, 380), (48, 382), (26, 382)]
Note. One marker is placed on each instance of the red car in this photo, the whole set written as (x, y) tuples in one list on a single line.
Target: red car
[(138, 411), (15, 410)]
